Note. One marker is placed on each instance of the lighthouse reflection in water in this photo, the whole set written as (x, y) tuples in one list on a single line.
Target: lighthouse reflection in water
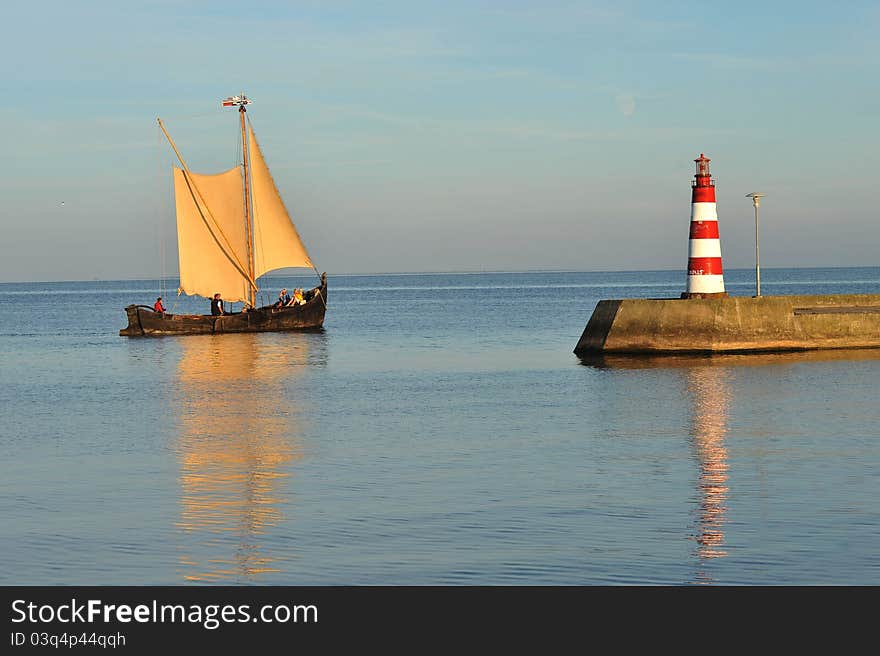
[(709, 391), (238, 445)]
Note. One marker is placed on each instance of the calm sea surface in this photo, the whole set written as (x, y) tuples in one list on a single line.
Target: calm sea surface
[(439, 431)]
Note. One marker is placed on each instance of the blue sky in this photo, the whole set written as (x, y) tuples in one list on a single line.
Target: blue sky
[(446, 136)]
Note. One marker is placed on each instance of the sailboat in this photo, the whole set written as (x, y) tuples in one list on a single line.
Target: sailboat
[(232, 228)]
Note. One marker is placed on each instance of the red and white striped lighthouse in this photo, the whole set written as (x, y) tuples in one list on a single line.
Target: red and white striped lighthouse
[(705, 277)]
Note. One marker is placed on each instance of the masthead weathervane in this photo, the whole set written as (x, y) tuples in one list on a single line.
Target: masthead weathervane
[(239, 100)]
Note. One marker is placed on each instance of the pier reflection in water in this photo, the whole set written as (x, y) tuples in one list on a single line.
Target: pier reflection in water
[(238, 443), (709, 385)]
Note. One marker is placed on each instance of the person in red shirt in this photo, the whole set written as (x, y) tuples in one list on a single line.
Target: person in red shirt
[(158, 307)]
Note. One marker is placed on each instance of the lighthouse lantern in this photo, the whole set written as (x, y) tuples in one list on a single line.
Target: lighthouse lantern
[(703, 177)]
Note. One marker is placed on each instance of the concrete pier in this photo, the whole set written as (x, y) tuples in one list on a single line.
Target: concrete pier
[(733, 324)]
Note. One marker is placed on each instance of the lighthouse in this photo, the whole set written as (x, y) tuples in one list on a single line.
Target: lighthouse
[(713, 322), (705, 278)]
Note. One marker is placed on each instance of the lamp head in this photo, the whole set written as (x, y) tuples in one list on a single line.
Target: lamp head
[(756, 198)]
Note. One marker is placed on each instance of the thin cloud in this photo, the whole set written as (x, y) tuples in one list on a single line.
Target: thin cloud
[(736, 62)]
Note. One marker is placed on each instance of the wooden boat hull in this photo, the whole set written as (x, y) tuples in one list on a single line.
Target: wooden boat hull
[(144, 322)]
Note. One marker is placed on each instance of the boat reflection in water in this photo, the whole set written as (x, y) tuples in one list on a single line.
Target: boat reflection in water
[(239, 438)]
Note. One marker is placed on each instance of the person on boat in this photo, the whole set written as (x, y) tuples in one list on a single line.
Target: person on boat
[(217, 306), (283, 298), (158, 307), (297, 297)]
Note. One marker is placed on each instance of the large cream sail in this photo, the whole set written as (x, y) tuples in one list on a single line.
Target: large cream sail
[(212, 244), (276, 241)]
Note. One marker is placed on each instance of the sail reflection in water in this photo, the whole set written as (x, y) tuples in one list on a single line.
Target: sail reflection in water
[(238, 440), (709, 391)]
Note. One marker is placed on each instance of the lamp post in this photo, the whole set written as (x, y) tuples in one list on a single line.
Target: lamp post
[(756, 199)]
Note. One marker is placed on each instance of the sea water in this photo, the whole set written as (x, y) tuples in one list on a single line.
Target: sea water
[(438, 431)]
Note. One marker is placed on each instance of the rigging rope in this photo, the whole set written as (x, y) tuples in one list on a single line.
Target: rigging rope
[(158, 217), (179, 292)]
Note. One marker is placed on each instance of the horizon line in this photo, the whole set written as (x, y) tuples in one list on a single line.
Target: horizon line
[(461, 272)]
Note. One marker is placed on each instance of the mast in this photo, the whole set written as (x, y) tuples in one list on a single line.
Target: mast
[(241, 101)]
